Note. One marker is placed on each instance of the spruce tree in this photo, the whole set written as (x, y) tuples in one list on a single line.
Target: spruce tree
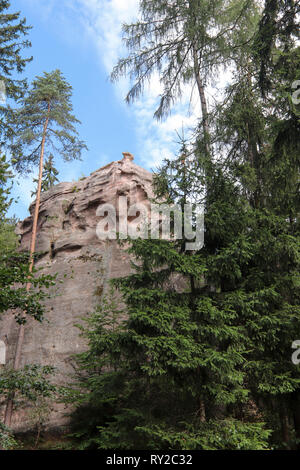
[(278, 30), (49, 177), (172, 376), (260, 127), (206, 365)]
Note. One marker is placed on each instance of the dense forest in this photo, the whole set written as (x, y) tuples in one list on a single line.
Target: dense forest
[(208, 366)]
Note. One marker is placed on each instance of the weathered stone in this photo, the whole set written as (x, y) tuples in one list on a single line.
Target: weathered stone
[(70, 247)]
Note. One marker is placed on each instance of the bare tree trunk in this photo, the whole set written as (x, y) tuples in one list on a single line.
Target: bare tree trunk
[(285, 429), (38, 435), (203, 101), (202, 411), (296, 417), (9, 406)]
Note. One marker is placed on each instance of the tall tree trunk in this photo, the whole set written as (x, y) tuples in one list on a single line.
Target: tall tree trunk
[(17, 360), (284, 420), (200, 86), (203, 101), (296, 417)]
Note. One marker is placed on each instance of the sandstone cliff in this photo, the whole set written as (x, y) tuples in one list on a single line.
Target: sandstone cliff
[(68, 245)]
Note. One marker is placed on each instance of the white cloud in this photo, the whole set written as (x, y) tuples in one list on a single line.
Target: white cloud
[(102, 20), (101, 26)]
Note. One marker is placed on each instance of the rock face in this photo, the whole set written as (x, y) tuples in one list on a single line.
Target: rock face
[(69, 246)]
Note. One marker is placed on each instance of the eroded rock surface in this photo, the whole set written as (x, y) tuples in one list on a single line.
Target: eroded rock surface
[(69, 246)]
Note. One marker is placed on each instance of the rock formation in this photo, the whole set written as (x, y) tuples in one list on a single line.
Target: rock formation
[(69, 246)]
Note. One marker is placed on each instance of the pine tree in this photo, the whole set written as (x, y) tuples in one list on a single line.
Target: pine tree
[(43, 121)]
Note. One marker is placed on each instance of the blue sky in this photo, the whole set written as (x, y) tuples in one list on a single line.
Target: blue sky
[(82, 38)]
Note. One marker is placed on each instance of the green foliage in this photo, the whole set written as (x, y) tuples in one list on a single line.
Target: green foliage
[(48, 98), (226, 434), (201, 356), (145, 381), (49, 178), (39, 414), (5, 177), (13, 31), (14, 268), (7, 440), (8, 237), (181, 40), (28, 383), (278, 29), (31, 387)]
